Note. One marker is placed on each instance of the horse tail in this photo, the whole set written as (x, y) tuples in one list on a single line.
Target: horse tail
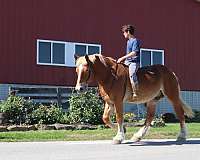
[(187, 109), (172, 91)]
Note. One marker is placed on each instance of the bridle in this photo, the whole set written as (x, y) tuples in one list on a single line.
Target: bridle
[(89, 74)]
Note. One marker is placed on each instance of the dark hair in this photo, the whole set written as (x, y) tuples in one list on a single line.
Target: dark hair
[(129, 28)]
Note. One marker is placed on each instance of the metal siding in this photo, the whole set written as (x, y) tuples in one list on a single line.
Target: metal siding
[(169, 25)]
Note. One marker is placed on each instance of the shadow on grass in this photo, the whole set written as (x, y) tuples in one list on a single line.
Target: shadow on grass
[(162, 143)]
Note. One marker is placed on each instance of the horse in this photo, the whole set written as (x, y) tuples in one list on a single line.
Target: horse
[(154, 82)]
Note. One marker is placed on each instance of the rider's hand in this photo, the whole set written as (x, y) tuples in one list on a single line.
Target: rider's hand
[(120, 60)]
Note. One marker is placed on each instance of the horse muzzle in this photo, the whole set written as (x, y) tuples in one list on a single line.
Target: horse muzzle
[(81, 87)]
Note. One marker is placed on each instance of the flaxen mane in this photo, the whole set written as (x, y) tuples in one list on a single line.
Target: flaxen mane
[(82, 60)]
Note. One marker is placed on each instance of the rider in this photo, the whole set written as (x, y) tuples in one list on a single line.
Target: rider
[(132, 57)]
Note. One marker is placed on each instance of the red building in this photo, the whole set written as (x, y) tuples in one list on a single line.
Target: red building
[(39, 37)]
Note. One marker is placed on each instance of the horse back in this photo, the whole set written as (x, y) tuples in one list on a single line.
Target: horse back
[(151, 73)]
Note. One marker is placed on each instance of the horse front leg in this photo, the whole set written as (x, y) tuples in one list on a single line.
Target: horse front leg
[(108, 111), (119, 119)]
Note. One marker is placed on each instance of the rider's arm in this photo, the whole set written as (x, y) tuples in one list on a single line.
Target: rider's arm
[(131, 54)]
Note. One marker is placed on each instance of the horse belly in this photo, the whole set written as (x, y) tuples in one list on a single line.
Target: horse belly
[(142, 95)]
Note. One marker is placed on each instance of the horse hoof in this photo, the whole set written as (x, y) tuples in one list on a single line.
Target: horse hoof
[(181, 139), (117, 141), (135, 139)]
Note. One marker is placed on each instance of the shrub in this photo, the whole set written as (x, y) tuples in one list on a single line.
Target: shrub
[(1, 106), (65, 118), (169, 118), (19, 110), (46, 114), (16, 109), (158, 122), (86, 107), (129, 117)]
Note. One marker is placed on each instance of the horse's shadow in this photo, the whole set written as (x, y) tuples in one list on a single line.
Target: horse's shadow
[(162, 143)]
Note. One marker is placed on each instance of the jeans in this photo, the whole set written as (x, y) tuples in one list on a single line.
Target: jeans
[(133, 67)]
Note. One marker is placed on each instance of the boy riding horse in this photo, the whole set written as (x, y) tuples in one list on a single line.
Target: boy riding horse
[(132, 57)]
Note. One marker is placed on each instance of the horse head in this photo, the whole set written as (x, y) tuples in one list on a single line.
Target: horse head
[(96, 65), (83, 69)]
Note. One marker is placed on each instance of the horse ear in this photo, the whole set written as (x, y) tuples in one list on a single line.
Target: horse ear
[(88, 60), (96, 57), (76, 56)]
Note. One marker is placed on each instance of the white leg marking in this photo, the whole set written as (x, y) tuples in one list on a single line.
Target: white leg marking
[(141, 133), (120, 134), (78, 86), (183, 133)]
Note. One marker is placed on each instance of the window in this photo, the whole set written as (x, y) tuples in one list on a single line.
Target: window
[(61, 53), (45, 52), (82, 49), (151, 56), (58, 53), (93, 49)]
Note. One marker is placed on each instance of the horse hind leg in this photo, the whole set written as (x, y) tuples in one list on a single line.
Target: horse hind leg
[(151, 106), (181, 109), (172, 91), (180, 114)]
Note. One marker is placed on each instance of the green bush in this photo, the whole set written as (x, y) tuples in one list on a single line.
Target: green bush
[(158, 122), (46, 114), (21, 111), (64, 118), (129, 117), (169, 118), (16, 109), (1, 106), (85, 107)]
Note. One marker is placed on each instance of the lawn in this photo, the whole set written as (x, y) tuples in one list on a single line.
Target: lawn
[(168, 132)]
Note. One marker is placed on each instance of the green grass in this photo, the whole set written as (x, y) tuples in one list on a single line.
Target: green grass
[(170, 131)]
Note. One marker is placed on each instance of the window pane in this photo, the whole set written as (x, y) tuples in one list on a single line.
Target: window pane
[(157, 57), (80, 50), (58, 53), (93, 49), (44, 52), (145, 58)]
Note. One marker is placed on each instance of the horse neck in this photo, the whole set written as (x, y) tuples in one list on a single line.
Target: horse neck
[(101, 73), (104, 75)]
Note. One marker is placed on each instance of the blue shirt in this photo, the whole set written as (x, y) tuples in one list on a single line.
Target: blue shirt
[(133, 44)]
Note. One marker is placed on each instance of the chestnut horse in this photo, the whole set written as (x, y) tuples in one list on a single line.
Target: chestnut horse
[(115, 88)]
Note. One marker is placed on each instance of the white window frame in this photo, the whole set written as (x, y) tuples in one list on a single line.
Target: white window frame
[(66, 44), (152, 50)]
